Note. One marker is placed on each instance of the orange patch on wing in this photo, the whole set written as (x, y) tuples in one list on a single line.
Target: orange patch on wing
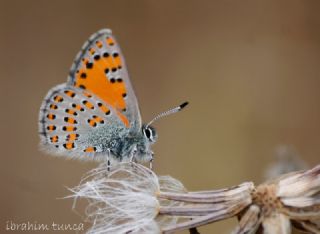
[(98, 119), (90, 149), (99, 44), (58, 98), (98, 84), (89, 105), (124, 119), (51, 128), (92, 51), (117, 61), (70, 120), (69, 145), (85, 61), (104, 109), (54, 139), (92, 122), (70, 93), (109, 62), (71, 112), (69, 128), (110, 41), (53, 106), (87, 94), (72, 137), (51, 116), (77, 107)]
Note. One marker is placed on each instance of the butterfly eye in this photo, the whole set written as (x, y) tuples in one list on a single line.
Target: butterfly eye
[(150, 134)]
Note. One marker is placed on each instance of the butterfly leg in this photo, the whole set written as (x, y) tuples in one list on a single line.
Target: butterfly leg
[(150, 164), (150, 161), (131, 158), (133, 154), (108, 160)]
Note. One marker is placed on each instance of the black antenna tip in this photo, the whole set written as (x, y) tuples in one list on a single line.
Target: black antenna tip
[(183, 105)]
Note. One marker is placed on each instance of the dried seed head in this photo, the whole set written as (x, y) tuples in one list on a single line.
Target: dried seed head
[(291, 199), (264, 196), (124, 199)]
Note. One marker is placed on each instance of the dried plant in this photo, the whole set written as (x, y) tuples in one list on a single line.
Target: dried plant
[(133, 199)]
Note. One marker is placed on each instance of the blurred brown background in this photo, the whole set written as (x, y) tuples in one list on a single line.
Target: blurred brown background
[(250, 69)]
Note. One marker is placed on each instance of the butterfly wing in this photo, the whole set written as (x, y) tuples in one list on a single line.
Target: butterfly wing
[(97, 107), (76, 123), (100, 68)]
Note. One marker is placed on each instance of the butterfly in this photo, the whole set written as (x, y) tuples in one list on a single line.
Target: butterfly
[(95, 114)]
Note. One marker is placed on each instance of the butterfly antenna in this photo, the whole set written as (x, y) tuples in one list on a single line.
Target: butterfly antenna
[(168, 112)]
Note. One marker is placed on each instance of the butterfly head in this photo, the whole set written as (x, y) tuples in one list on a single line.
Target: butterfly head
[(141, 148)]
